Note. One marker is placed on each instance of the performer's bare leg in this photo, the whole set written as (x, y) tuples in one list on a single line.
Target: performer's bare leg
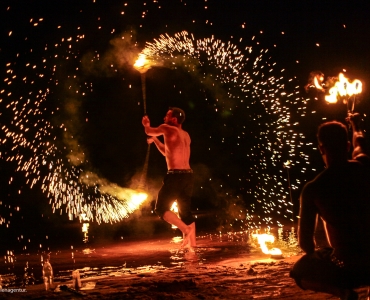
[(188, 231), (192, 235)]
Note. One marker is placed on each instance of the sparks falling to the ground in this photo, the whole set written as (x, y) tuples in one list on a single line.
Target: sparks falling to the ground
[(244, 87)]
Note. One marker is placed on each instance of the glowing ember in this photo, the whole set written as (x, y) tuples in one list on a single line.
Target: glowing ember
[(262, 239)]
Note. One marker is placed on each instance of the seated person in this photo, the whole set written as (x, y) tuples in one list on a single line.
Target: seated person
[(340, 196)]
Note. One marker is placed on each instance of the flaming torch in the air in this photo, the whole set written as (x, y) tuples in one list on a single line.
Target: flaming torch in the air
[(338, 88), (262, 239), (142, 64), (345, 89)]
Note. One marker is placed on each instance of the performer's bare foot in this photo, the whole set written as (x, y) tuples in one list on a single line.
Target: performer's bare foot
[(192, 235), (189, 239), (186, 238)]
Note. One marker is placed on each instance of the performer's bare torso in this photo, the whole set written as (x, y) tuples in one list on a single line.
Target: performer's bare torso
[(177, 148)]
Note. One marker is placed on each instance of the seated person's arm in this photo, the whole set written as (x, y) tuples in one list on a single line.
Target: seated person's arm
[(307, 221)]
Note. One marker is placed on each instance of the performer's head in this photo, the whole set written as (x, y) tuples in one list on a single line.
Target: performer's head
[(178, 113), (333, 140)]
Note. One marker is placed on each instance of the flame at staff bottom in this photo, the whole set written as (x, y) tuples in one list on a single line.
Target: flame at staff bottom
[(262, 239), (122, 201), (134, 198)]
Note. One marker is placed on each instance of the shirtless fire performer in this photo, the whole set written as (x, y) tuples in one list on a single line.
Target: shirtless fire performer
[(178, 182)]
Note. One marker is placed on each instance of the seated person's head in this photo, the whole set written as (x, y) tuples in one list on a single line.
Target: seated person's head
[(333, 137)]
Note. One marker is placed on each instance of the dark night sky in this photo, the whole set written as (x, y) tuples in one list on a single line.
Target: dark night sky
[(302, 36)]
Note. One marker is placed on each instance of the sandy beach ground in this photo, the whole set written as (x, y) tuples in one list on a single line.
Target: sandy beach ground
[(225, 266)]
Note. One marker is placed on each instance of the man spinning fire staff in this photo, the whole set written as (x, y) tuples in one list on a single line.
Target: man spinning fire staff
[(340, 196), (178, 182)]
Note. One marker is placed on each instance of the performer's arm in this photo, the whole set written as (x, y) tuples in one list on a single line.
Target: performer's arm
[(158, 143), (307, 222), (154, 131)]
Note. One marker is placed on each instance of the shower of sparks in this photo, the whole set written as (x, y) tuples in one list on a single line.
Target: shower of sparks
[(46, 151), (269, 104), (49, 155)]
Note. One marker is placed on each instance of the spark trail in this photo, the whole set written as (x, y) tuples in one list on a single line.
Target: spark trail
[(36, 88), (261, 108), (34, 140)]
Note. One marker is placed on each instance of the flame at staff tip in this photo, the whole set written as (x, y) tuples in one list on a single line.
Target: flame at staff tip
[(142, 64), (262, 239)]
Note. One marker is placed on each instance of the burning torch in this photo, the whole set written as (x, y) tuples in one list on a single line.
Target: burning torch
[(338, 88), (142, 64)]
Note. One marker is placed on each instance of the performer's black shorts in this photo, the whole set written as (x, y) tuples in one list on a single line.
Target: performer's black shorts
[(177, 185)]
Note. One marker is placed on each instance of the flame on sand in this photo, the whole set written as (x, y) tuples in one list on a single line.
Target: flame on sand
[(262, 239)]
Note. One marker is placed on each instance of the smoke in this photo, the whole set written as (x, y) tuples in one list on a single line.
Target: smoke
[(121, 54), (231, 212), (195, 68), (92, 179), (76, 154)]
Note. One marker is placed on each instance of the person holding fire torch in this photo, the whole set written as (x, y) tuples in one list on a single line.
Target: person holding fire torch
[(178, 182), (340, 196)]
